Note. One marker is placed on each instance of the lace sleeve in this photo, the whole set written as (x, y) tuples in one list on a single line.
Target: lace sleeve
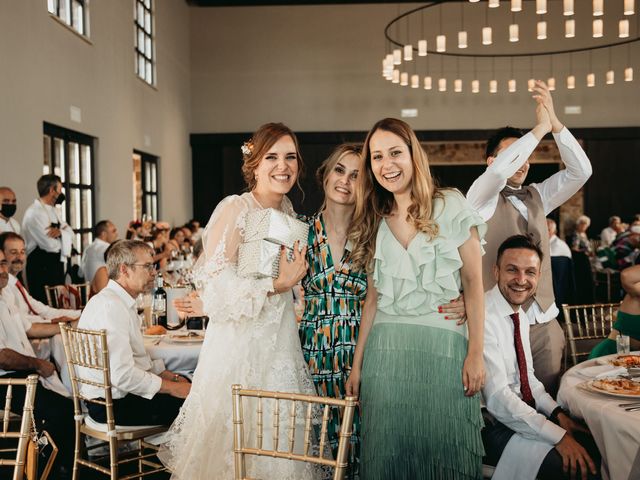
[(226, 296)]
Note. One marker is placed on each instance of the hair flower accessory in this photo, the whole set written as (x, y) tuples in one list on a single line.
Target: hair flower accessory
[(247, 148)]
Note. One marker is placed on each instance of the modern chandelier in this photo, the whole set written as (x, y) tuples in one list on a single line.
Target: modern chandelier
[(435, 46)]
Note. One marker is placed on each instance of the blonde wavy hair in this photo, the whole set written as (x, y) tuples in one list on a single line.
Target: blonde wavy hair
[(258, 146), (325, 168), (373, 202)]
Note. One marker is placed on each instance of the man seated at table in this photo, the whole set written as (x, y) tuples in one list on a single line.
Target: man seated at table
[(526, 434), (14, 250), (53, 412), (144, 392), (31, 310), (627, 318)]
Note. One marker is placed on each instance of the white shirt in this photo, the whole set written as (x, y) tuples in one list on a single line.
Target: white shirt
[(558, 247), (43, 313), (93, 258), (502, 388), (38, 217), (554, 191), (13, 334), (607, 236), (132, 370), (11, 225)]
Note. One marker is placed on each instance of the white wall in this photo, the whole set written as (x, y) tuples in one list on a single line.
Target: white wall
[(45, 68), (317, 68)]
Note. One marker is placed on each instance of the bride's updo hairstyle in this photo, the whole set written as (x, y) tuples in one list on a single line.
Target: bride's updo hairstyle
[(258, 146)]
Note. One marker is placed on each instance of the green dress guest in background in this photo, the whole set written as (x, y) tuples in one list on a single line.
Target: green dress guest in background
[(628, 316)]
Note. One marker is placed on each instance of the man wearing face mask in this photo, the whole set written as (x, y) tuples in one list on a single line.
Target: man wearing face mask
[(7, 211), (48, 238), (509, 207)]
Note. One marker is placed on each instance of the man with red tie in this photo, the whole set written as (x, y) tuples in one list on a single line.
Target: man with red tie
[(35, 311), (527, 435)]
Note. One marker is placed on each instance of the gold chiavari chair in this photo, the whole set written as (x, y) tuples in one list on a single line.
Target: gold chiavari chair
[(73, 296), (87, 349), (26, 422), (585, 326), (241, 450)]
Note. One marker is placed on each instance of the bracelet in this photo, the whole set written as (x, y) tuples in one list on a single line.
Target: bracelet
[(554, 415)]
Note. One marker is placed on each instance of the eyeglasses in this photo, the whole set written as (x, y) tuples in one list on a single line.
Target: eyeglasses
[(150, 267)]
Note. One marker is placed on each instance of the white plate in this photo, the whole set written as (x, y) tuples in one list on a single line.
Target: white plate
[(153, 337), (182, 338), (608, 359), (590, 388)]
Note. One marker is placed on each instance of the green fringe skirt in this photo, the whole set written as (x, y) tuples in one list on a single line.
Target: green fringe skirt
[(416, 421)]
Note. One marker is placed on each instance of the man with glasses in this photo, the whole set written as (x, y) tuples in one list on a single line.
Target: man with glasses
[(144, 392)]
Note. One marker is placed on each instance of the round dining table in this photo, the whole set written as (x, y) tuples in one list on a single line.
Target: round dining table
[(180, 357), (615, 430)]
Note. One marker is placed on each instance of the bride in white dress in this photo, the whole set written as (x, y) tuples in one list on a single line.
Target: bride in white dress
[(252, 337)]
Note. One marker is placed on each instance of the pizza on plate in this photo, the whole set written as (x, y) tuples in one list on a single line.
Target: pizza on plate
[(626, 361), (620, 386)]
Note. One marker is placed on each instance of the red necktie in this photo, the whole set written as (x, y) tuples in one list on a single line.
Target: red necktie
[(23, 292), (525, 389)]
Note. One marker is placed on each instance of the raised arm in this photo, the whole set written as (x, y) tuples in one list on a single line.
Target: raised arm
[(505, 164), (562, 185)]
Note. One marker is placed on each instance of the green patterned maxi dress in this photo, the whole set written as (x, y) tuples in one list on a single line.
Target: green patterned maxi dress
[(334, 294), (416, 421)]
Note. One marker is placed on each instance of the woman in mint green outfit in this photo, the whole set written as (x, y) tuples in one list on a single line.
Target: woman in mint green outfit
[(417, 373)]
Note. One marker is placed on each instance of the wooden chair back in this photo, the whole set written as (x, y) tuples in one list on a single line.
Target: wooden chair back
[(26, 422), (586, 326), (71, 296), (307, 454)]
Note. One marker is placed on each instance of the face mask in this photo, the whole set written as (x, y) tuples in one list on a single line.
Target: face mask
[(8, 210), (60, 199)]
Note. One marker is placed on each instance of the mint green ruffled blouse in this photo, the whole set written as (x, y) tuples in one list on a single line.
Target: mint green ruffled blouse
[(416, 280)]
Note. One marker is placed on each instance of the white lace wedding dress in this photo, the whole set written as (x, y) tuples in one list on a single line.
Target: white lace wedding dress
[(252, 340)]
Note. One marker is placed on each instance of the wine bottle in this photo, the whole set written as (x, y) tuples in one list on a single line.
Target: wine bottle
[(159, 308)]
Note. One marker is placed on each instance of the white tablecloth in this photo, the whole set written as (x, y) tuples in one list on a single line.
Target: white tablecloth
[(178, 357), (616, 431)]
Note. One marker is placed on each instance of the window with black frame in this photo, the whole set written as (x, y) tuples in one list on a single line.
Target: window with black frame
[(70, 155), (145, 41), (73, 13), (146, 191)]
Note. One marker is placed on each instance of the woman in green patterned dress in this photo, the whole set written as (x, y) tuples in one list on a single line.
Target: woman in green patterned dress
[(416, 373), (334, 291)]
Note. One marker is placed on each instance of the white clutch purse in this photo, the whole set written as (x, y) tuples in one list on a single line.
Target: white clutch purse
[(265, 231)]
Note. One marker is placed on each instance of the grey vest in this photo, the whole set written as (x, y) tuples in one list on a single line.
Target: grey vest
[(507, 221)]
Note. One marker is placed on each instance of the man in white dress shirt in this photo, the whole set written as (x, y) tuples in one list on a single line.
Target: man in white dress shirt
[(609, 234), (53, 412), (144, 392), (32, 310), (511, 208), (526, 433), (7, 211), (48, 238), (104, 233), (557, 246), (13, 247)]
